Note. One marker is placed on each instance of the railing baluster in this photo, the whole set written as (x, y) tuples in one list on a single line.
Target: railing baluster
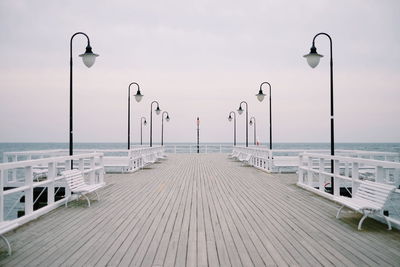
[(81, 165), (354, 178), (50, 187), (336, 181), (380, 174), (321, 175), (14, 171), (29, 191), (2, 181), (92, 173), (309, 171)]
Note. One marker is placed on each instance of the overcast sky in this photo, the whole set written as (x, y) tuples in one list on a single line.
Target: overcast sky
[(200, 58)]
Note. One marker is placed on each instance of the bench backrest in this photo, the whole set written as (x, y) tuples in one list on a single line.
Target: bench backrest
[(74, 179), (375, 192)]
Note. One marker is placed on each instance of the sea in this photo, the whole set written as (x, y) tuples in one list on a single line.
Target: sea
[(185, 147)]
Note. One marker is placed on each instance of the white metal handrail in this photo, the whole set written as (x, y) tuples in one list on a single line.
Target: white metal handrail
[(19, 176), (314, 174), (203, 148), (128, 159), (286, 160)]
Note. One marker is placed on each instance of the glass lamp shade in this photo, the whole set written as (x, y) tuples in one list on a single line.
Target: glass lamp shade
[(89, 57), (158, 110), (230, 118), (260, 95), (240, 110), (138, 96), (313, 57), (251, 123), (145, 122), (167, 118)]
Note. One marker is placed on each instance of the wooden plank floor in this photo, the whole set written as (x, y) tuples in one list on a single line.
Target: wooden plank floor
[(202, 210)]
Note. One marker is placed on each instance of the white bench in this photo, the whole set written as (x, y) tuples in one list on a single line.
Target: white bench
[(5, 227), (77, 185), (161, 156), (245, 158), (234, 154), (117, 162), (284, 162), (369, 199), (149, 159)]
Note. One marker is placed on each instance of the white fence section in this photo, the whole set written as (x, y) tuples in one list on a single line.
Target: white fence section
[(114, 160), (285, 160), (25, 195), (191, 149), (349, 172)]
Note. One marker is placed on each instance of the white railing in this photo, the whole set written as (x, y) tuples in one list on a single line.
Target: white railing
[(192, 149), (286, 160), (113, 160), (24, 196), (314, 174)]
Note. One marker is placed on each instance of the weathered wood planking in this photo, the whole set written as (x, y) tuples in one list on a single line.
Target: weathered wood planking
[(202, 210)]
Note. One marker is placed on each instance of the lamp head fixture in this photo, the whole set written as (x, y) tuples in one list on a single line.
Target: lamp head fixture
[(251, 122), (240, 110), (138, 96), (260, 95), (313, 57), (158, 110), (230, 117), (145, 122), (167, 118), (89, 57)]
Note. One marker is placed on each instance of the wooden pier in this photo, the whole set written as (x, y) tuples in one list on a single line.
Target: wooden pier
[(202, 210)]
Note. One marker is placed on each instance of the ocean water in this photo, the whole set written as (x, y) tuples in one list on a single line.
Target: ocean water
[(184, 147)]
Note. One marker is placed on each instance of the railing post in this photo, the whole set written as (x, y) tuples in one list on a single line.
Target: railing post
[(346, 169), (130, 160), (14, 171), (29, 192), (50, 187), (68, 164), (270, 161), (380, 174), (92, 173), (300, 171), (354, 178), (81, 164), (1, 195), (336, 171), (309, 171), (321, 175)]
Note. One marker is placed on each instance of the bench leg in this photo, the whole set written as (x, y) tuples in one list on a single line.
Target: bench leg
[(97, 195), (8, 244), (365, 215), (88, 200), (338, 213), (388, 223), (66, 202)]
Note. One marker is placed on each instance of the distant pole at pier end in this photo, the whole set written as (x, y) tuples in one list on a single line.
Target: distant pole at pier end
[(198, 135)]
